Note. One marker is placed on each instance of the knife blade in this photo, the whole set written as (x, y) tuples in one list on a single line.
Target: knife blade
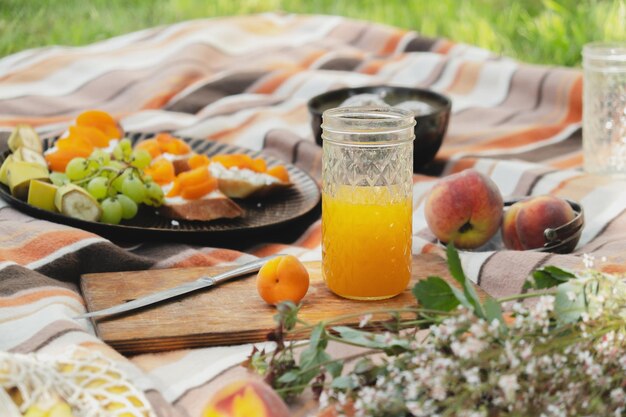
[(202, 282)]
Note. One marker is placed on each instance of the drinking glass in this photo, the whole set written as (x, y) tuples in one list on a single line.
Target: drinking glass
[(367, 168), (604, 108)]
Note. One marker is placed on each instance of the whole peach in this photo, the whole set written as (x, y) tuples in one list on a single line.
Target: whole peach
[(464, 208), (249, 397), (524, 222)]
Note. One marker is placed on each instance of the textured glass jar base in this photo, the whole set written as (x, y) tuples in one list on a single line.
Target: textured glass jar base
[(350, 297)]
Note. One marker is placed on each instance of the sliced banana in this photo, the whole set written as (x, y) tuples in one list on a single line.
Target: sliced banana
[(28, 155), (4, 169), (41, 194), (76, 202), (19, 174), (26, 136)]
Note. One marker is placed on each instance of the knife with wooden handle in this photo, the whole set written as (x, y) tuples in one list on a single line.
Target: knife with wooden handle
[(202, 282)]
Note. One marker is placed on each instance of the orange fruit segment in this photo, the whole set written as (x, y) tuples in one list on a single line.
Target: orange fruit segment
[(241, 161), (170, 144), (161, 170), (79, 146), (283, 278), (258, 165), (233, 160), (150, 145), (280, 172), (193, 184), (95, 136), (57, 161), (197, 161), (196, 191), (100, 120)]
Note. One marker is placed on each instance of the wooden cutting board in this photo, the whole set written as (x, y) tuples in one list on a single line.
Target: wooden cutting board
[(231, 313)]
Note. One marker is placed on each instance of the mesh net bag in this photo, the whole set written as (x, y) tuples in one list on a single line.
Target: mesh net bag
[(91, 384)]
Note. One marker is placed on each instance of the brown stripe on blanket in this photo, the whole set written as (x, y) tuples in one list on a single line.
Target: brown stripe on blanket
[(341, 63), (522, 96), (556, 98), (348, 32), (375, 37), (116, 91), (16, 278), (435, 74), (281, 144), (97, 257), (214, 89), (46, 335), (561, 105), (528, 180), (614, 230), (308, 157), (504, 272), (420, 44), (569, 147)]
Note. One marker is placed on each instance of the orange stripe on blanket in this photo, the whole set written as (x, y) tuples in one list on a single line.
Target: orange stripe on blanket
[(372, 67), (312, 57), (616, 269), (466, 78), (312, 238), (177, 85), (392, 43), (274, 81), (511, 141), (43, 245), (443, 46), (462, 165), (270, 249), (215, 257), (570, 161), (34, 296)]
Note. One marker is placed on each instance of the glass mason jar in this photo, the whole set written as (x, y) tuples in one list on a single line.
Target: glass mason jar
[(604, 108), (367, 171)]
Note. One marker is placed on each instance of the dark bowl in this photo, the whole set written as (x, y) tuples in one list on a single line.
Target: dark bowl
[(430, 128)]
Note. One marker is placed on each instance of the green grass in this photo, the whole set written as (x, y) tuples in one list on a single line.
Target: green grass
[(547, 32)]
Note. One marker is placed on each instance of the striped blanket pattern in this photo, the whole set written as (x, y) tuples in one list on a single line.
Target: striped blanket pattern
[(246, 81)]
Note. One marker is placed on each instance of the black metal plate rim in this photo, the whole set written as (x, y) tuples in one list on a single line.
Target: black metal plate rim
[(299, 178)]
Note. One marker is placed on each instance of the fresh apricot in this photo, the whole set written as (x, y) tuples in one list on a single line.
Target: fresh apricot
[(246, 398), (280, 172), (283, 278), (100, 120), (161, 170)]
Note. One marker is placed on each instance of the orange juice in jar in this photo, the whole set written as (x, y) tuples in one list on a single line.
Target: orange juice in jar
[(367, 201)]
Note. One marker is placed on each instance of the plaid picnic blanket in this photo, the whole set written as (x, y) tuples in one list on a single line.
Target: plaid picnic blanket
[(246, 81)]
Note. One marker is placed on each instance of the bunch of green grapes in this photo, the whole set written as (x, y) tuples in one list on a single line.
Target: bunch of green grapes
[(117, 181)]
